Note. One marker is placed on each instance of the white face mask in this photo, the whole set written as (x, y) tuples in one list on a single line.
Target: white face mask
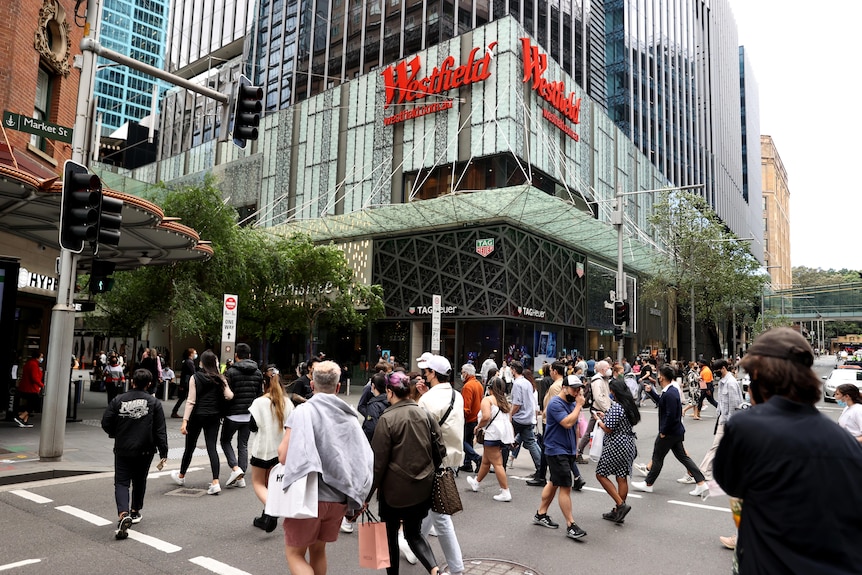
[(194, 356)]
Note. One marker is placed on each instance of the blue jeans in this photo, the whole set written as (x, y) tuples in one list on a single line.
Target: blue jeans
[(242, 430), (470, 453), (447, 538), (528, 441)]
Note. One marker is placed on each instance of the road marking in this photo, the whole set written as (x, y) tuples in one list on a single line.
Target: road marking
[(217, 566), (600, 490), (85, 515), (157, 474), (153, 542), (19, 564), (700, 506), (31, 496)]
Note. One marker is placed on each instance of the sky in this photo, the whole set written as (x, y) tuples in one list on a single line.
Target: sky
[(806, 62)]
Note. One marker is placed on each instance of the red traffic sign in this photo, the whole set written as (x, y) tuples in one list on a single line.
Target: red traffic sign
[(230, 303)]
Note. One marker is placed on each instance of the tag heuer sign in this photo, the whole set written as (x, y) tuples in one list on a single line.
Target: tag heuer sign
[(485, 247)]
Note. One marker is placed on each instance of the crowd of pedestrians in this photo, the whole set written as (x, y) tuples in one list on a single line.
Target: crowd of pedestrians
[(409, 426)]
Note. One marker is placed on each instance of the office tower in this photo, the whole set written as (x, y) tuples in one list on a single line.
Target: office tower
[(135, 28)]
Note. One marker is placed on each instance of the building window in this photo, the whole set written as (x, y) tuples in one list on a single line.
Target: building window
[(40, 106)]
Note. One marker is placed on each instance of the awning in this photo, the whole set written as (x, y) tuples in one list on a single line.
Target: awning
[(524, 206), (30, 208)]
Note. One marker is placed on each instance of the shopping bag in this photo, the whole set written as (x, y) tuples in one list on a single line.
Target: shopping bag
[(598, 440), (298, 501), (373, 545)]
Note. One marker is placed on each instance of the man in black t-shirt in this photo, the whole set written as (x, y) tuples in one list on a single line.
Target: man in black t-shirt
[(302, 387)]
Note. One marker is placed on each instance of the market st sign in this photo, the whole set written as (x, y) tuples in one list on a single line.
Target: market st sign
[(569, 105), (403, 84)]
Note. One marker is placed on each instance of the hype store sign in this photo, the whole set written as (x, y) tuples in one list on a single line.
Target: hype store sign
[(409, 91)]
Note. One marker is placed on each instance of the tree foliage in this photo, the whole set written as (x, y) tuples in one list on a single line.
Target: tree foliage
[(703, 263), (277, 280)]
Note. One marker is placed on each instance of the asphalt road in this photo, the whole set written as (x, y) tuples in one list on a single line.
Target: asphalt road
[(67, 525)]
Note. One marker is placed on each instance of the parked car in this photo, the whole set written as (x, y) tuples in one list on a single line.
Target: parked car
[(844, 374)]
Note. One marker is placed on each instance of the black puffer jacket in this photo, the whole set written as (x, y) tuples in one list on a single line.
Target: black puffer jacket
[(136, 421), (246, 382), (209, 396)]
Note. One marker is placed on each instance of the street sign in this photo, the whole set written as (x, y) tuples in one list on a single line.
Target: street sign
[(41, 128), (436, 311), (228, 322)]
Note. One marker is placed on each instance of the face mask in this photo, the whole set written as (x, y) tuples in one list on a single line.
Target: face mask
[(570, 398), (842, 403), (194, 356), (41, 360)]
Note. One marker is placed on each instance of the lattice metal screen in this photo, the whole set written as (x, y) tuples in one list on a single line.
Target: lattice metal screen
[(523, 271)]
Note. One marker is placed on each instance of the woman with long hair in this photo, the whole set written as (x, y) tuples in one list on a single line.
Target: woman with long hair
[(494, 420), (208, 392), (847, 395), (268, 414), (619, 447)]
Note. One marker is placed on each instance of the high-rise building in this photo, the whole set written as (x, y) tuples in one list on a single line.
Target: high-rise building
[(135, 28), (751, 173), (776, 215)]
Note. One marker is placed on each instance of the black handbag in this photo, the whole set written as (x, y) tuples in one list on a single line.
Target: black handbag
[(445, 498)]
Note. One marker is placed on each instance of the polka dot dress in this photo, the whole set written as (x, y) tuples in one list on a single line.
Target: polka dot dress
[(618, 448)]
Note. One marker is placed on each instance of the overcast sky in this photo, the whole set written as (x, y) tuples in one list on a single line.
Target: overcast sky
[(806, 61)]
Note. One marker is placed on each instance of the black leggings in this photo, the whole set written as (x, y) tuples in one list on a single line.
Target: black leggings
[(209, 425), (412, 518), (706, 394)]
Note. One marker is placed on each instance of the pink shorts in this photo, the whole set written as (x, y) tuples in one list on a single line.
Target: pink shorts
[(306, 532)]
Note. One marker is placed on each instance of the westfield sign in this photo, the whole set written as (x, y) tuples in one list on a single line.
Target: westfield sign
[(404, 85), (569, 105)]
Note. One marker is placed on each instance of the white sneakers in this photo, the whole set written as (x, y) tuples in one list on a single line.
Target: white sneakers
[(175, 475), (699, 490), (346, 526), (235, 475), (504, 496), (642, 486), (214, 489), (687, 479), (404, 547), (641, 468), (474, 485), (239, 483)]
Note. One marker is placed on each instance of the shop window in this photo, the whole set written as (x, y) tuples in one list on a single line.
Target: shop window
[(40, 106)]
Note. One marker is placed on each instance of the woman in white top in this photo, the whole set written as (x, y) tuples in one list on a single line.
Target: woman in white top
[(268, 414), (494, 421), (848, 395)]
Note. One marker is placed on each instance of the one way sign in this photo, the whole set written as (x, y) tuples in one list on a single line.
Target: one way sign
[(228, 326)]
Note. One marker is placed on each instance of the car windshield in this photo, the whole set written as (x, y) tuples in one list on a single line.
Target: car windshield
[(846, 375)]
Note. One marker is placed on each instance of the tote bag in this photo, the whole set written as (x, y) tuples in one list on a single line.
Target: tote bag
[(373, 545), (298, 501), (598, 440)]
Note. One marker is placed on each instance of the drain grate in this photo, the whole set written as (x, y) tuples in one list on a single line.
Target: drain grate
[(485, 566), (187, 492)]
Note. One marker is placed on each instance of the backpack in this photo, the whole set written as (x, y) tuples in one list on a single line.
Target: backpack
[(588, 394)]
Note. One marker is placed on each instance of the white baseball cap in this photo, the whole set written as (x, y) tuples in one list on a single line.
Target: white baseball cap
[(436, 362)]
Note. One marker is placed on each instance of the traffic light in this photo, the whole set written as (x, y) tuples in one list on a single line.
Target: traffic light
[(618, 333), (79, 208), (100, 280), (246, 116), (110, 221), (621, 312)]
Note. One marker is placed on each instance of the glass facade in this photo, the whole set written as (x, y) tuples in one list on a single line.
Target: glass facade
[(135, 28)]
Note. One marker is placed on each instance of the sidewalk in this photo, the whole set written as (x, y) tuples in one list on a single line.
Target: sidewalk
[(87, 448)]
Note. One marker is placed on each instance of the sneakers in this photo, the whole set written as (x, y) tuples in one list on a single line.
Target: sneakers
[(579, 483), (581, 460), (175, 475), (610, 515), (699, 490), (346, 526), (471, 481), (545, 521), (123, 527), (239, 483), (575, 532), (504, 496), (622, 511), (404, 547), (214, 489), (136, 517), (176, 416), (235, 475), (641, 468), (22, 423), (687, 479), (642, 486), (729, 542), (536, 482)]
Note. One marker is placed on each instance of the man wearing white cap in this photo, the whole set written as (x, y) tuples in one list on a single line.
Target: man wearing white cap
[(447, 406)]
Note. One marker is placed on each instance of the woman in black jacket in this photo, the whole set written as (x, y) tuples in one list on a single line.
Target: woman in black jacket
[(373, 409), (208, 393)]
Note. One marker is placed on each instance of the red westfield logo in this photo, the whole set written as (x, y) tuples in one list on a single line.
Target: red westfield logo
[(535, 64)]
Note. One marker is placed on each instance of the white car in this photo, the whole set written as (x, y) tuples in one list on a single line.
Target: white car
[(838, 377)]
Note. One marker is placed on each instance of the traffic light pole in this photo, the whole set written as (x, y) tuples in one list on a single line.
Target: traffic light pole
[(59, 357)]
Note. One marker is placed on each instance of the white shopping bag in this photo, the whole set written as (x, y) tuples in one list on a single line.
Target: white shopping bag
[(298, 501), (598, 440)]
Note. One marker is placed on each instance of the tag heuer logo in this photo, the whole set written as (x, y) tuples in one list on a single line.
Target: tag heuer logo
[(412, 310), (485, 247)]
